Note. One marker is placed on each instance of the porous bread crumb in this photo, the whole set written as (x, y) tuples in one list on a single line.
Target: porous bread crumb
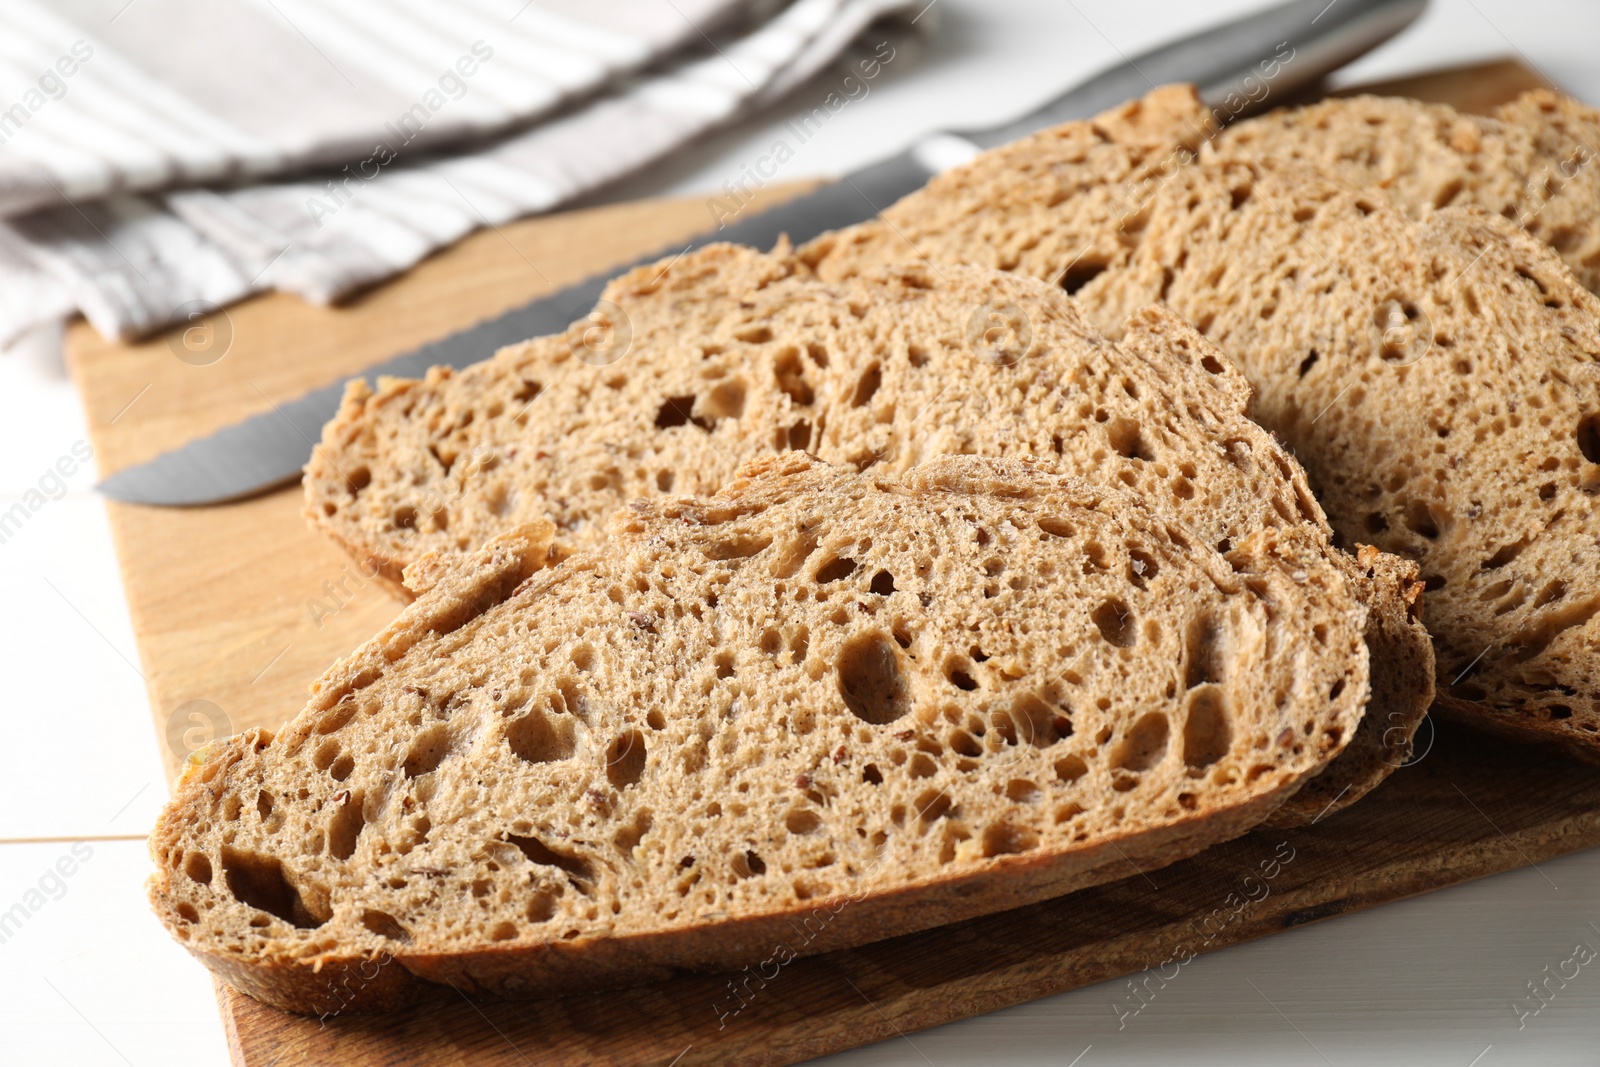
[(736, 354), (1436, 375), (894, 702), (1532, 161)]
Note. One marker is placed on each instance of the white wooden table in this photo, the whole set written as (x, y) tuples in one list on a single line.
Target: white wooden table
[(87, 977)]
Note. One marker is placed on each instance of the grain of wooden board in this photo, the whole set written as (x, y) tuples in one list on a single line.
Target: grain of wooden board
[(242, 606)]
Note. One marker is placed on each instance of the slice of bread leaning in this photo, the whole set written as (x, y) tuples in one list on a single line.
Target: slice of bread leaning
[(737, 354), (817, 709), (1438, 377)]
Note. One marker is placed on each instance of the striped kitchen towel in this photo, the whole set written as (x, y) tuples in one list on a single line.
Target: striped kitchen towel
[(156, 155)]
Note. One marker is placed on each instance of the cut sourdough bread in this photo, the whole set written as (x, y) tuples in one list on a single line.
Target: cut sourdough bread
[(1531, 161), (736, 354), (817, 709), (1438, 378)]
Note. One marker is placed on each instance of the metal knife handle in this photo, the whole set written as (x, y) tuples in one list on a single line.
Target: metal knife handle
[(1324, 35)]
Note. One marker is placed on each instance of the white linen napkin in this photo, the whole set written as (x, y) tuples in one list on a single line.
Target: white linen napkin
[(99, 206)]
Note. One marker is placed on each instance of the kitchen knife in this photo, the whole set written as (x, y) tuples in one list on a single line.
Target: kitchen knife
[(1237, 66)]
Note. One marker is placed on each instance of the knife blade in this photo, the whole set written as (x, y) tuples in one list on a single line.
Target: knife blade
[(1227, 62)]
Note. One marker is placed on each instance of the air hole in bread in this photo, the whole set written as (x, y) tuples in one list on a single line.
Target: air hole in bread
[(1056, 527), (1589, 437), (871, 775), (664, 481), (870, 679), (678, 411), (795, 554), (1003, 839), (798, 645), (1071, 768), (882, 583), (1207, 731), (1126, 439), (799, 436), (1116, 623), (579, 870), (384, 925), (257, 880), (1081, 272), (1505, 555), (1142, 567), (726, 400), (790, 375), (1038, 723), (833, 570), (955, 672), (358, 480), (802, 821), (534, 738), (1022, 791), (428, 751), (1534, 638), (749, 865), (1144, 745), (326, 753), (1421, 520), (1203, 655), (964, 743), (625, 759), (344, 829), (741, 546), (197, 867), (867, 386), (933, 804), (629, 836)]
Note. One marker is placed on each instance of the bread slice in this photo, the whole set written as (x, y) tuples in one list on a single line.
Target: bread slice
[(817, 709), (1438, 378), (736, 354), (1531, 161), (1440, 381)]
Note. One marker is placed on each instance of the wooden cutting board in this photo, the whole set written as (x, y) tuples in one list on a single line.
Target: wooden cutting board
[(238, 607)]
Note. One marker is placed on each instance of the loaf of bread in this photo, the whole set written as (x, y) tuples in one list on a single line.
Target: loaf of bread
[(1532, 161), (819, 708), (1437, 377), (737, 354)]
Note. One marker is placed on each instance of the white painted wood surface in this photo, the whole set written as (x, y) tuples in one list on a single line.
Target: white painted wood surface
[(87, 977)]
